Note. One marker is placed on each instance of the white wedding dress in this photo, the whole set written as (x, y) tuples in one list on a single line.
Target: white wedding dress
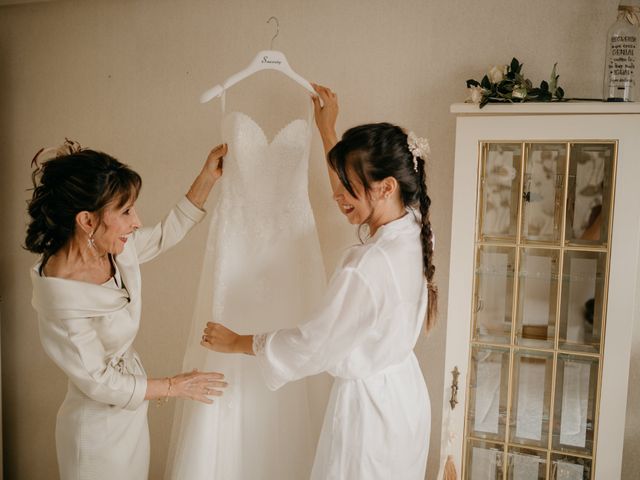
[(262, 271)]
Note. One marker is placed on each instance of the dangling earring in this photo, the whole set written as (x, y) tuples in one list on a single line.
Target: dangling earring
[(90, 242)]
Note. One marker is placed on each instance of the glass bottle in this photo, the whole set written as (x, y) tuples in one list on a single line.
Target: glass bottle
[(622, 55)]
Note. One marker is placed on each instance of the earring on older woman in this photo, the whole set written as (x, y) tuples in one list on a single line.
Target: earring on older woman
[(91, 242)]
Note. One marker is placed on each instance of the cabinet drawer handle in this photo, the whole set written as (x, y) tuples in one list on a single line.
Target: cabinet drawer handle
[(455, 373)]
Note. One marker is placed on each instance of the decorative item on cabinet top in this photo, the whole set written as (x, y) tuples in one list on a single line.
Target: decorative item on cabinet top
[(507, 84), (621, 55)]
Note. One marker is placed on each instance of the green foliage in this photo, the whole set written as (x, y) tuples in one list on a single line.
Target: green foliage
[(510, 86)]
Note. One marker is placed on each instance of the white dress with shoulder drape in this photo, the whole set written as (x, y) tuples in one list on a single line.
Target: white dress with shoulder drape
[(87, 330)]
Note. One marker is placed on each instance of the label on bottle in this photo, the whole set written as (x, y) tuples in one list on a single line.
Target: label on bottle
[(621, 65)]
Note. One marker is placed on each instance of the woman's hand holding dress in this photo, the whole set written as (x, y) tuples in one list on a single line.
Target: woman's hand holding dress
[(211, 172), (220, 339)]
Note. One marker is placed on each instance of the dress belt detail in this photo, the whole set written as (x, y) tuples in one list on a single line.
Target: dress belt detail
[(125, 363)]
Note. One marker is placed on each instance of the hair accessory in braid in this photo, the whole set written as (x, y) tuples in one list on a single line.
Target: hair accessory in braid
[(419, 148)]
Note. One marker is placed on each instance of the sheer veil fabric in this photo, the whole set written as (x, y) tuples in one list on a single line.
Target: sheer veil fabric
[(262, 271)]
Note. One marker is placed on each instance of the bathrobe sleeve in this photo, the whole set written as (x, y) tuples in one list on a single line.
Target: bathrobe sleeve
[(149, 242), (73, 345), (346, 317)]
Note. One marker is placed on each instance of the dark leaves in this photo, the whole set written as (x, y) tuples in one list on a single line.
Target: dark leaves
[(515, 65)]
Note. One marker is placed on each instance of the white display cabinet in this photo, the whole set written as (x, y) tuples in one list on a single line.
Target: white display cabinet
[(542, 290)]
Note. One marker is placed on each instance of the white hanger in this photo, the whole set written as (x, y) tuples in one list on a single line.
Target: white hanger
[(264, 60)]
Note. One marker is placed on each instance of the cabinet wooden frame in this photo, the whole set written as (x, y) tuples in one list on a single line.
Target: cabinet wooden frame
[(560, 124)]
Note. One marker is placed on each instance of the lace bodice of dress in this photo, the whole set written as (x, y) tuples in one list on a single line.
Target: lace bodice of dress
[(262, 175), (263, 221)]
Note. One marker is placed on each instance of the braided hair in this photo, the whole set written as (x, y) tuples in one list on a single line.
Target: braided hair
[(380, 150), (72, 182)]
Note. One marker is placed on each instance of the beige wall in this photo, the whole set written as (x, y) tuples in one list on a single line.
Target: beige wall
[(125, 76)]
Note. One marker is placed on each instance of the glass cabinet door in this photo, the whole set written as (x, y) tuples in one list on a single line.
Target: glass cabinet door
[(542, 192), (538, 311), (500, 192)]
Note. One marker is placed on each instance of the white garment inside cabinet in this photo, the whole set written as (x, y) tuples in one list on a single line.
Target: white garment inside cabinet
[(488, 379), (525, 467), (531, 394), (575, 402)]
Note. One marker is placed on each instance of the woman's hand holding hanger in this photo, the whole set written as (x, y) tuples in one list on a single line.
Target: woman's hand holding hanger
[(325, 105)]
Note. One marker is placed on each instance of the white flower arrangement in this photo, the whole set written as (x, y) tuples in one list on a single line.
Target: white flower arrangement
[(506, 84)]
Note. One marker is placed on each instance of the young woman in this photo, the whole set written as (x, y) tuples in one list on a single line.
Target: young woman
[(378, 418), (86, 291)]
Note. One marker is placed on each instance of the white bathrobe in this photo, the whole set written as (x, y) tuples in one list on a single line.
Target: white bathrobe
[(87, 330), (377, 423)]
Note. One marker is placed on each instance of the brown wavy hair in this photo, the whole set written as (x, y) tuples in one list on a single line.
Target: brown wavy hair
[(81, 180)]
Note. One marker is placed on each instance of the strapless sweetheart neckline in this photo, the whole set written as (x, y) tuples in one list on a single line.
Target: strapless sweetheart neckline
[(257, 126)]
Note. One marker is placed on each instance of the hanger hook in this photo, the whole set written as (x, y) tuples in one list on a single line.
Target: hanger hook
[(277, 29)]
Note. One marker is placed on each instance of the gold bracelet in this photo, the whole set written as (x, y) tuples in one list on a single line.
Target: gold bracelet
[(165, 399)]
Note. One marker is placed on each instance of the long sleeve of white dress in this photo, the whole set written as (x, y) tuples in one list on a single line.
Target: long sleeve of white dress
[(74, 346), (346, 316), (87, 330), (150, 242)]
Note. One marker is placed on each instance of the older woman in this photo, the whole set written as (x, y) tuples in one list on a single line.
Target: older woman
[(86, 291)]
